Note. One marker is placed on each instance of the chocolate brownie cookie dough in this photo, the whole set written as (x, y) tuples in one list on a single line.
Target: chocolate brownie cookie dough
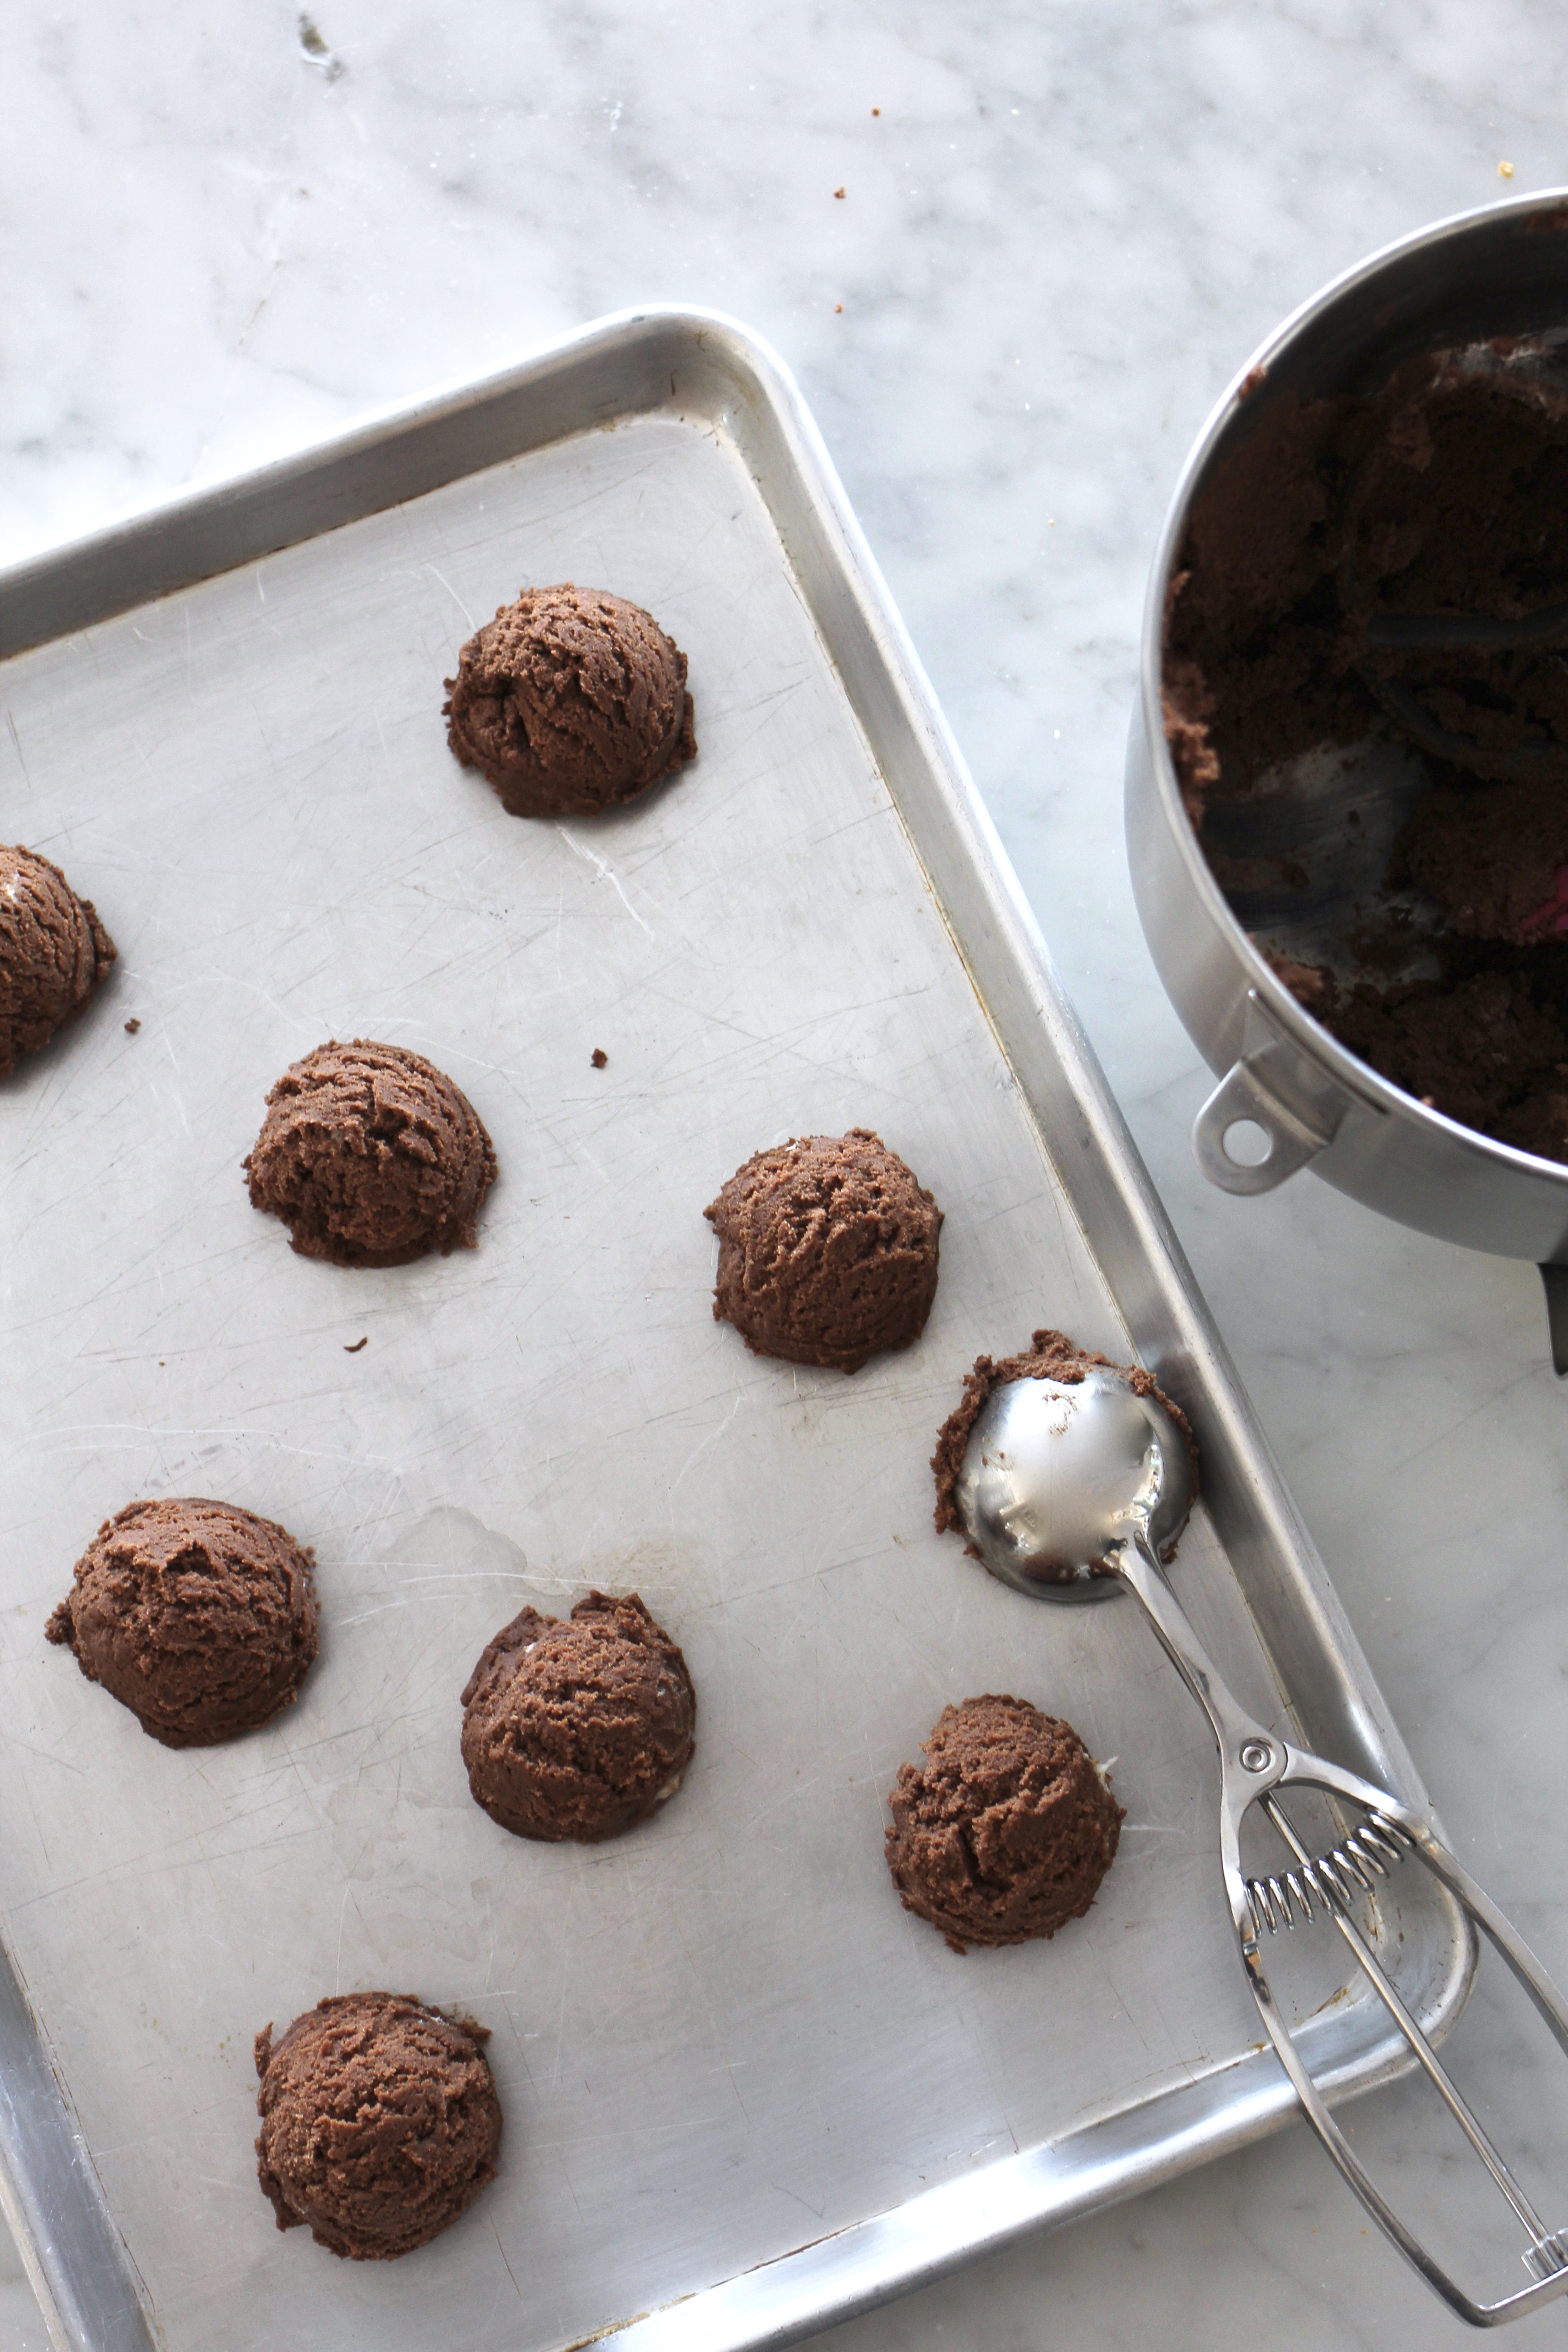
[(1480, 1051), (54, 952), (198, 1616), (571, 700), (1375, 586), (380, 2123), (371, 1156), (578, 1728), (827, 1251), (1007, 1831), (1496, 860)]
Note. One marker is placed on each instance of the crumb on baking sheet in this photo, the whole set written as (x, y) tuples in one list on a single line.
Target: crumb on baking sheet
[(131, 1027), (357, 1345), (599, 1057), (838, 192), (1505, 170)]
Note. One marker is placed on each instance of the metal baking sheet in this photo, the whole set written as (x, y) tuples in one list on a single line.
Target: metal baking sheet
[(745, 2094)]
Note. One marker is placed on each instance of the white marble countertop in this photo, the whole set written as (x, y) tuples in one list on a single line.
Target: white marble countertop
[(1010, 295)]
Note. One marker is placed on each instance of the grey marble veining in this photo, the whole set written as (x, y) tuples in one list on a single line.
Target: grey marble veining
[(227, 233)]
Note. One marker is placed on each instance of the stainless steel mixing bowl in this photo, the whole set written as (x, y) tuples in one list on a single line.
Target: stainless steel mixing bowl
[(1500, 271)]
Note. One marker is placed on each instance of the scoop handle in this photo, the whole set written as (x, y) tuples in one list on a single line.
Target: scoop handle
[(1253, 1763), (1245, 1745), (1546, 2257)]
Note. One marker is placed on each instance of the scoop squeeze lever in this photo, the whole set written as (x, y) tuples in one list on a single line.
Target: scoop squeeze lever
[(1071, 1490)]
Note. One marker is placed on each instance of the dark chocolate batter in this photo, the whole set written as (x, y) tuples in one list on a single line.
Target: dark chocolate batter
[(1538, 1123), (380, 2123), (570, 701), (54, 952), (1050, 1355), (198, 1616), (1332, 527), (371, 1156), (1496, 858), (1475, 1050), (827, 1251), (1008, 1830), (578, 1728)]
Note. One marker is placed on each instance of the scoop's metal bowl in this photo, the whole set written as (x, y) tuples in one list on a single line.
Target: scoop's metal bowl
[(1501, 271)]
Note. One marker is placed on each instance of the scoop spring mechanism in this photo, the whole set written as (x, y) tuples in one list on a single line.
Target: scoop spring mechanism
[(1372, 1848)]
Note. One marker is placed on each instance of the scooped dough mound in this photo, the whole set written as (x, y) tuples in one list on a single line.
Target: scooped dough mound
[(380, 2123), (1008, 1830), (1050, 1355), (827, 1251), (578, 1728), (570, 701), (54, 952), (371, 1156), (198, 1616)]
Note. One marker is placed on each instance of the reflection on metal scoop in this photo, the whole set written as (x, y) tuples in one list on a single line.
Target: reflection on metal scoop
[(1071, 1490), (1057, 1474)]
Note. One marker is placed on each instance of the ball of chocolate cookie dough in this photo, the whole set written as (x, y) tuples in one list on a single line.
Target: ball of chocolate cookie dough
[(198, 1616), (570, 701), (827, 1251), (371, 1156), (578, 1728), (1008, 1828), (380, 2123), (54, 952)]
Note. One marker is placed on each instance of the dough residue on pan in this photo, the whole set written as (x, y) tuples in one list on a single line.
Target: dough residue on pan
[(198, 1616), (578, 1728), (54, 952), (571, 700), (371, 1156), (380, 2123), (827, 1251), (1007, 1831)]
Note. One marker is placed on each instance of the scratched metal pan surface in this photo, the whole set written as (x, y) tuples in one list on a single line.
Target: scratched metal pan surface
[(738, 2079)]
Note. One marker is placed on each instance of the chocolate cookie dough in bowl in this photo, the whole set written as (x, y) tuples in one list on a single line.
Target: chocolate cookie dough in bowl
[(198, 1616), (1353, 736), (372, 1157)]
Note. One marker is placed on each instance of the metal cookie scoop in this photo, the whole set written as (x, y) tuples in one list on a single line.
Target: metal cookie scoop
[(1069, 1491)]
